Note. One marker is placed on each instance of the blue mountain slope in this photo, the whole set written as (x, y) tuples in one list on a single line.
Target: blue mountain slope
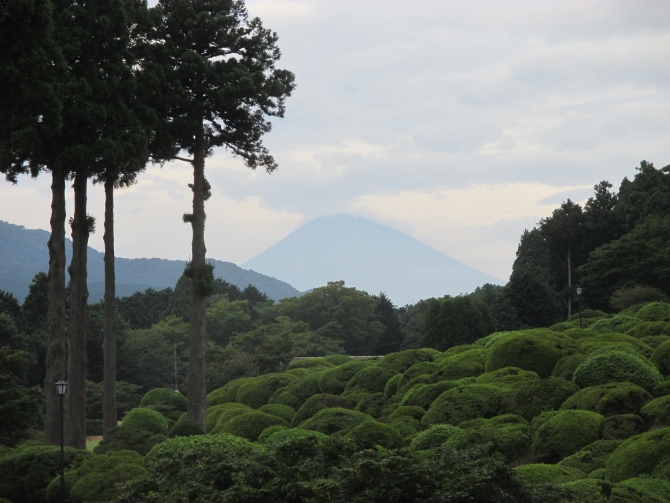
[(369, 256), (24, 253)]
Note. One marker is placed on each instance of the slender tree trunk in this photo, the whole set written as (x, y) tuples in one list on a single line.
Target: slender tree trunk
[(569, 283), (109, 347), (75, 400), (197, 386), (55, 360)]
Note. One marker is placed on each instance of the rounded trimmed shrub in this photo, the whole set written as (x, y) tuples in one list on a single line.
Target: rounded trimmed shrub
[(418, 369), (615, 341), (609, 399), (405, 387), (580, 333), (464, 403), (423, 395), (531, 398), (288, 435), (271, 430), (563, 326), (333, 381), (223, 413), (616, 366), (373, 405), (319, 402), (297, 392), (654, 311), (302, 372), (282, 411), (406, 426), (507, 376), (661, 358), (567, 365), (227, 393), (662, 389), (622, 426), (470, 363), (371, 433), (329, 421), (257, 391), (407, 412), (547, 474), (337, 359), (392, 385), (620, 323), (184, 427), (403, 360), (639, 455), (121, 439), (654, 341), (145, 419), (657, 411), (251, 424), (649, 328), (164, 396), (433, 437), (369, 380), (566, 432), (534, 350), (588, 490), (591, 457), (641, 490), (508, 434), (308, 363)]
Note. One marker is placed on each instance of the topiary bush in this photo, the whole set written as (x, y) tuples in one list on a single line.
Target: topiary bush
[(407, 412), (433, 437), (609, 399), (615, 366), (257, 391), (654, 311), (464, 403), (563, 326), (369, 434), (164, 396), (507, 434), (418, 369), (282, 436), (619, 323), (591, 457), (337, 359), (369, 380), (373, 405), (123, 439), (566, 366), (641, 490), (547, 474), (334, 381), (227, 393), (298, 391), (621, 427), (649, 328), (654, 341), (184, 427), (588, 490), (320, 402), (639, 455), (403, 360), (580, 333), (329, 421), (615, 341), (271, 430), (391, 387), (565, 432), (534, 350), (657, 411), (251, 424), (213, 413), (470, 363), (423, 395), (662, 389), (507, 376), (282, 411), (531, 398), (404, 387), (145, 419), (308, 363), (661, 358)]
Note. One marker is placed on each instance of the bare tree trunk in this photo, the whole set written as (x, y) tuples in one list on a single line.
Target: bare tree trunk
[(109, 348), (75, 400), (197, 386), (569, 284), (55, 360)]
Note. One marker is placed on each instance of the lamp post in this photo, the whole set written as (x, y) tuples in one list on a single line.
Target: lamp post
[(61, 389), (579, 298)]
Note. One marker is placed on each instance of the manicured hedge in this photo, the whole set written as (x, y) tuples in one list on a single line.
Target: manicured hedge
[(507, 376), (333, 381), (657, 412), (588, 490), (609, 399), (464, 403), (329, 421), (649, 328), (257, 391), (662, 389), (408, 412), (403, 360), (565, 432), (535, 350), (145, 419), (654, 311), (423, 395), (184, 427), (639, 455), (373, 405), (422, 368), (641, 490), (164, 396), (620, 323), (122, 439), (622, 426), (547, 474), (433, 437), (337, 359), (369, 434), (615, 366), (566, 366), (282, 411), (508, 434), (215, 412), (251, 424), (661, 358), (470, 363), (529, 399), (392, 385), (227, 393), (371, 379), (282, 435), (615, 341), (309, 363), (297, 392), (320, 402), (591, 457)]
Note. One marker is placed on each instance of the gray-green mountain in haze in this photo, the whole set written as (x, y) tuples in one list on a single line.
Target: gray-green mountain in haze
[(24, 253), (369, 256)]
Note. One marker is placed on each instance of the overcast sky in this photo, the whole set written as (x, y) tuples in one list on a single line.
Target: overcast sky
[(459, 123)]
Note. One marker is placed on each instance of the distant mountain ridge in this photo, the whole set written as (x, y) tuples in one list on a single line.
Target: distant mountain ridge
[(24, 253), (369, 256)]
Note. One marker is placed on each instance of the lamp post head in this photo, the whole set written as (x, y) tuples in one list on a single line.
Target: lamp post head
[(579, 291), (61, 388)]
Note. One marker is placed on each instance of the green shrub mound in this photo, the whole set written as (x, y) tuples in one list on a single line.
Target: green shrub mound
[(489, 340), (271, 430), (470, 363), (282, 411), (565, 432), (562, 326), (309, 363), (337, 359), (371, 433), (548, 474), (508, 434), (615, 366), (641, 490), (227, 393), (404, 387), (122, 439), (654, 341), (609, 399), (372, 405), (531, 398), (369, 380), (164, 396), (392, 385), (661, 358), (433, 437), (301, 372), (418, 369), (145, 419), (298, 391), (639, 455), (334, 381), (423, 395), (282, 436), (622, 426), (591, 457), (213, 413), (662, 389), (614, 341), (534, 350), (257, 391), (407, 412), (566, 366), (329, 421), (320, 402), (406, 426), (251, 424), (25, 472), (454, 350), (620, 323), (588, 490), (580, 333), (654, 311), (649, 328), (403, 360), (232, 410), (464, 403), (184, 427), (657, 412), (506, 376), (588, 314)]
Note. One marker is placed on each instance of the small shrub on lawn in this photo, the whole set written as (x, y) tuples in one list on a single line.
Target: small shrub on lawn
[(145, 419)]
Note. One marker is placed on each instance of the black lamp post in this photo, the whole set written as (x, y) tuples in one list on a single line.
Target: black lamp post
[(61, 389), (579, 297)]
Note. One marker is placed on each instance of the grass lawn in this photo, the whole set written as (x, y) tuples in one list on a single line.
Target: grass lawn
[(90, 444)]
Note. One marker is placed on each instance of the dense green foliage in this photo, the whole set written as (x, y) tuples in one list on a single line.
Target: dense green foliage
[(610, 366)]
